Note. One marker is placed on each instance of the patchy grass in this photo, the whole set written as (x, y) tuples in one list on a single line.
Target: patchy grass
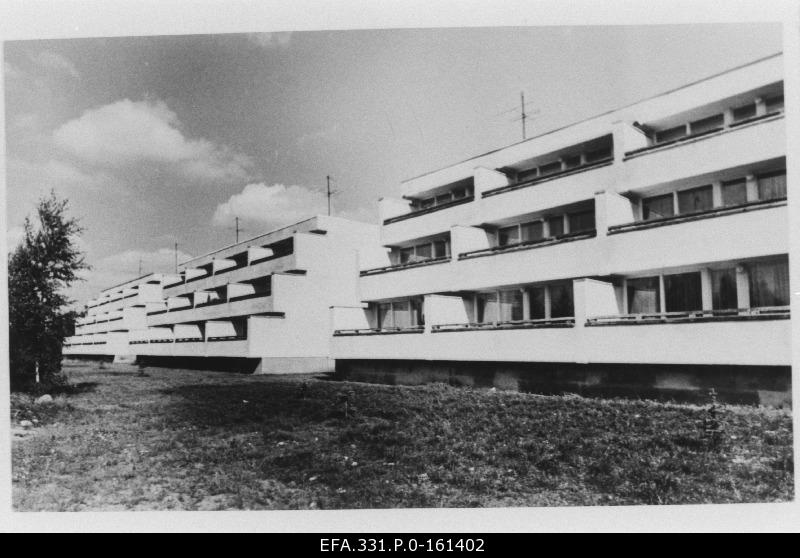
[(177, 439)]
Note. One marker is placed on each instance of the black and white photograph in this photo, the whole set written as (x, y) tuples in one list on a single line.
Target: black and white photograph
[(325, 265)]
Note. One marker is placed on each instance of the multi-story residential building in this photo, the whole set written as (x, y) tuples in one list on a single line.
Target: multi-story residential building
[(258, 305), (644, 250)]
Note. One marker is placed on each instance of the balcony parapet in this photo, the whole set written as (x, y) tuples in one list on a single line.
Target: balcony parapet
[(427, 210), (695, 316), (379, 331), (398, 267), (512, 324), (539, 180), (698, 215), (702, 135), (528, 245)]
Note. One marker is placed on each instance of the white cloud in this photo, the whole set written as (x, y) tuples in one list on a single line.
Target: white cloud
[(271, 40), (274, 205), (50, 60), (128, 132)]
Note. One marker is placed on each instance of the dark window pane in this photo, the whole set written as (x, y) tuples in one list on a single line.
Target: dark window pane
[(682, 292), (561, 301), (406, 254), (423, 251), (572, 161), (671, 134), (527, 174), (658, 207), (583, 221), (774, 104), (696, 199), (598, 154), (417, 312), (706, 124), (643, 295), (550, 168), (459, 193), (769, 284), (441, 249), (536, 303), (556, 225), (771, 186), (510, 305), (426, 203), (508, 235), (532, 231), (444, 198), (745, 112), (723, 289), (734, 192)]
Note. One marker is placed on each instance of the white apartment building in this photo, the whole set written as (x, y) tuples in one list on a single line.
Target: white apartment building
[(643, 250), (260, 305)]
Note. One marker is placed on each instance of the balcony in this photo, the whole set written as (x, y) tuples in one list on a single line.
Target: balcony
[(428, 222), (407, 265), (243, 306), (528, 245), (732, 233), (256, 270), (746, 143)]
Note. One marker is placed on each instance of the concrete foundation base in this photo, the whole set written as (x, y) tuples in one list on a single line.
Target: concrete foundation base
[(288, 365), (125, 359), (753, 385), (296, 365)]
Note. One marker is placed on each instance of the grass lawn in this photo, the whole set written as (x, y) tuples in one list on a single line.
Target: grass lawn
[(192, 440)]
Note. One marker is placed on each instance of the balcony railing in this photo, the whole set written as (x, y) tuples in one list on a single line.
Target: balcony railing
[(407, 265), (693, 316), (540, 179), (697, 215), (427, 210), (510, 324), (529, 244), (380, 331)]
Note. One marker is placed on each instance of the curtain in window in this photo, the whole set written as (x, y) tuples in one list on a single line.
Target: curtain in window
[(532, 231), (769, 284), (487, 307), (657, 207), (556, 225), (561, 301), (682, 292), (771, 186), (696, 199), (734, 192), (723, 289), (510, 306), (643, 296), (423, 252)]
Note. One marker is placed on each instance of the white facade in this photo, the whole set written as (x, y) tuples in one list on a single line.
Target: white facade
[(654, 234)]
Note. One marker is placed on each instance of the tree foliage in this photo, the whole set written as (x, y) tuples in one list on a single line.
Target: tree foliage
[(40, 268)]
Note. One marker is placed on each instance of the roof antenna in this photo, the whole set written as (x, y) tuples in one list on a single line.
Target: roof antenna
[(329, 194)]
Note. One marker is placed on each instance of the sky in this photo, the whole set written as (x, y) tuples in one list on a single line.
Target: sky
[(167, 139)]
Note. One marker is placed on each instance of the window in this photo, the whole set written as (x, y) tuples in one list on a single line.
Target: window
[(508, 235), (460, 193), (769, 284), (561, 301), (582, 221), (572, 161), (707, 124), (400, 314), (671, 134), (734, 192), (406, 255), (426, 203), (532, 231), (486, 308), (723, 289), (695, 199), (598, 154), (444, 198), (385, 318), (772, 185), (745, 112), (510, 305), (774, 104), (423, 252), (682, 292), (441, 248), (550, 168), (536, 303), (527, 174), (658, 207), (556, 225), (643, 296)]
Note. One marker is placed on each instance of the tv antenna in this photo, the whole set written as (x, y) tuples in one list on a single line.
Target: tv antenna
[(525, 114), (237, 228), (329, 193)]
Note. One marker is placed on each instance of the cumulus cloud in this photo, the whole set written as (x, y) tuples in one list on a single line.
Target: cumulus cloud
[(271, 40), (274, 205), (128, 132), (53, 61)]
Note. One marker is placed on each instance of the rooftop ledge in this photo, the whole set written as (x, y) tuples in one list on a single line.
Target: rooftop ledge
[(398, 267), (695, 316), (528, 245), (514, 324), (561, 174), (696, 216), (702, 135), (427, 210)]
